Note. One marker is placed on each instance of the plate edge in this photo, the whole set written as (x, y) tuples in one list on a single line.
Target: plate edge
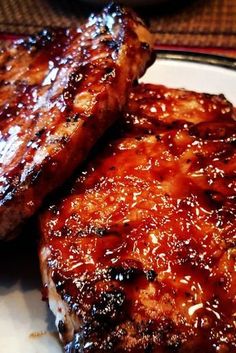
[(203, 58)]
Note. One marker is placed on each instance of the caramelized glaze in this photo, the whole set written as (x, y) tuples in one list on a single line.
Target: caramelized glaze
[(59, 91), (142, 250)]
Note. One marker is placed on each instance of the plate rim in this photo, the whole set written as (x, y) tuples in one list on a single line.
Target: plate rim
[(196, 57)]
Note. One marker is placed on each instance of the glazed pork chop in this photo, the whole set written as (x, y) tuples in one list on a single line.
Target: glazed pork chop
[(140, 255), (59, 91)]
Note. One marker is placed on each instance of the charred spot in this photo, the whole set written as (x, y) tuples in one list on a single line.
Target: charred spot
[(104, 30), (40, 132), (215, 197), (99, 231), (64, 139), (149, 348), (230, 243), (112, 168), (148, 327), (35, 176), (4, 82), (66, 231), (99, 338), (200, 157), (3, 68), (147, 131), (122, 333), (109, 70), (23, 84), (151, 275), (39, 40), (8, 112), (135, 83), (61, 327), (90, 231), (165, 328), (58, 280), (174, 344), (30, 143), (112, 44), (145, 46), (54, 209), (124, 274), (76, 345), (221, 282), (109, 306), (179, 124), (213, 130), (108, 344), (73, 118), (113, 7), (109, 73)]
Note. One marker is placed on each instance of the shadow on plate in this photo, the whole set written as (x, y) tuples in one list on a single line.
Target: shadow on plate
[(19, 261)]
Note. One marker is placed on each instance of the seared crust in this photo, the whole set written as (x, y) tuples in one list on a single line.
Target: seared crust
[(59, 91), (140, 255)]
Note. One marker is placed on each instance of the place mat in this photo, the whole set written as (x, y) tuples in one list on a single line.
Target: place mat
[(202, 23), (199, 23)]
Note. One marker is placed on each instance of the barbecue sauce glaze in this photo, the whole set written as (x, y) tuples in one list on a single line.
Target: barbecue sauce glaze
[(142, 249)]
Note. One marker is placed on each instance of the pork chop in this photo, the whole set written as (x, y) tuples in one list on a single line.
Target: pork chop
[(59, 91), (140, 255)]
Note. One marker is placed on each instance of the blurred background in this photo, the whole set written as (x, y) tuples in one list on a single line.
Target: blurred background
[(195, 25)]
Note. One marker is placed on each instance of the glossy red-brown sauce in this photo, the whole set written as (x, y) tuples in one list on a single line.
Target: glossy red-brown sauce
[(143, 248), (59, 91)]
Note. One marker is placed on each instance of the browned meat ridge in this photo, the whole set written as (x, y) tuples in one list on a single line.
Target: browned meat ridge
[(59, 91), (140, 256)]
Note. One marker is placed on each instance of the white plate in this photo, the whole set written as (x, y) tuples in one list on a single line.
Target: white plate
[(202, 73), (26, 325)]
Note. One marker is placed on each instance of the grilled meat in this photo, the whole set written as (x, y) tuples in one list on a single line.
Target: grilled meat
[(140, 255), (59, 91)]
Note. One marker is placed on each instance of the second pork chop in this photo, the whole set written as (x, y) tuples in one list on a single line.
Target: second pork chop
[(140, 255)]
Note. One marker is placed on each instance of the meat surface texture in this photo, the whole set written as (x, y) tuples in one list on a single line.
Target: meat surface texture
[(140, 255), (59, 91)]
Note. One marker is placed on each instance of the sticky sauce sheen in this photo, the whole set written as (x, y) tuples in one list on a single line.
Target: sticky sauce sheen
[(143, 249), (59, 91)]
